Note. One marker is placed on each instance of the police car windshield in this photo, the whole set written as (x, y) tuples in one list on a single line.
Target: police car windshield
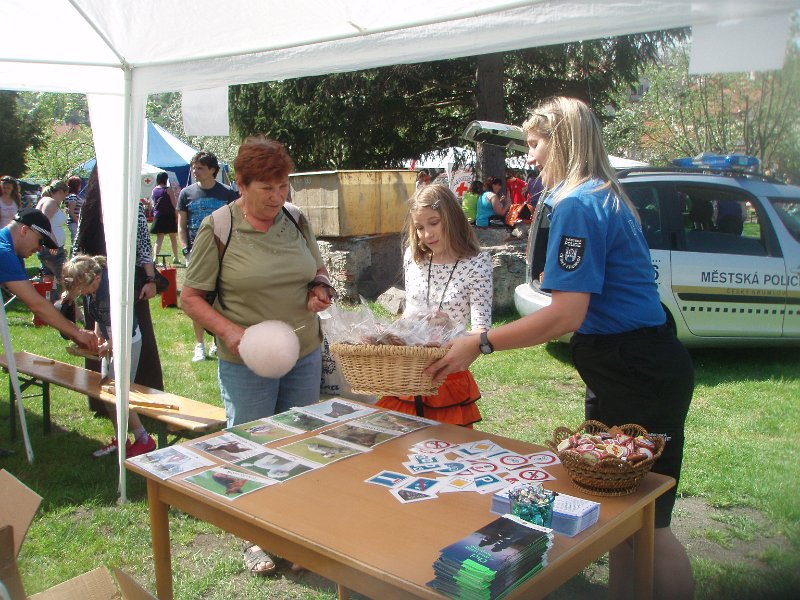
[(788, 210)]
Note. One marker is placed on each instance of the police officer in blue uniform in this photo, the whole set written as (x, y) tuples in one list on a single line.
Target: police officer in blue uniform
[(601, 279)]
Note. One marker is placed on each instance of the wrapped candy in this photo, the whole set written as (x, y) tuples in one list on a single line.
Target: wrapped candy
[(593, 447), (532, 503)]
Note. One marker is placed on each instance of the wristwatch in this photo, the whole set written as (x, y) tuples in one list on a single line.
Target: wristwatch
[(150, 279), (186, 251), (486, 346)]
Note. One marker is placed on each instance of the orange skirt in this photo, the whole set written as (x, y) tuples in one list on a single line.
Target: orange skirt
[(455, 402)]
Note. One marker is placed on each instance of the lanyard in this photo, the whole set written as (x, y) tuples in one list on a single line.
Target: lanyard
[(428, 290)]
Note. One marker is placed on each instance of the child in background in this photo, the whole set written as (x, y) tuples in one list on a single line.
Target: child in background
[(445, 271), (88, 276)]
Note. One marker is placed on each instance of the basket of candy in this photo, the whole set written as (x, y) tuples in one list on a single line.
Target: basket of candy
[(606, 461), (387, 358)]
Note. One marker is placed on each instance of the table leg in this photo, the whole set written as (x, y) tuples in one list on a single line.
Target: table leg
[(342, 592), (159, 530), (643, 553)]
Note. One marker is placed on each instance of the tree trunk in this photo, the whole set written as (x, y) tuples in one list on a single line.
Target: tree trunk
[(490, 106)]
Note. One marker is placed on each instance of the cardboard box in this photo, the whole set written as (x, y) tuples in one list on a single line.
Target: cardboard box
[(18, 505)]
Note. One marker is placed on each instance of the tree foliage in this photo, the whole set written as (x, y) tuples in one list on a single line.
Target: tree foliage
[(378, 118), (684, 115), (60, 152), (21, 129)]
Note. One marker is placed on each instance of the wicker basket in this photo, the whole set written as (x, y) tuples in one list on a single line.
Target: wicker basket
[(609, 476), (387, 370)]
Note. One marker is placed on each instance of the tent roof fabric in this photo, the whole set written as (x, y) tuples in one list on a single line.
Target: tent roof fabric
[(272, 39)]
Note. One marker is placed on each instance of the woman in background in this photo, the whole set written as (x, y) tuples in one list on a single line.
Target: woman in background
[(53, 260), (74, 203), (165, 221), (492, 205), (469, 202), (9, 200)]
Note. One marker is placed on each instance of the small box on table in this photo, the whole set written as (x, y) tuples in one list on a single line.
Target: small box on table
[(571, 515)]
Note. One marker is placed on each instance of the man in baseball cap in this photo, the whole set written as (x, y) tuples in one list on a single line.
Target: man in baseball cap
[(38, 223), (29, 231)]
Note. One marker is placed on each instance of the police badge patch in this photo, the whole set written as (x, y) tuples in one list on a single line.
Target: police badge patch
[(570, 252)]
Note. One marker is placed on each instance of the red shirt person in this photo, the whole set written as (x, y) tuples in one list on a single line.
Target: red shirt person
[(515, 189)]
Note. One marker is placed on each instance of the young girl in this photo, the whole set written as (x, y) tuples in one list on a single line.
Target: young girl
[(445, 271), (599, 270), (88, 276)]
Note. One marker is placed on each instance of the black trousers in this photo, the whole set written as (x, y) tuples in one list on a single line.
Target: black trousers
[(644, 377)]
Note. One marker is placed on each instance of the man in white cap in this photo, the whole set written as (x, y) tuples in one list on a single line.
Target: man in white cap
[(26, 234)]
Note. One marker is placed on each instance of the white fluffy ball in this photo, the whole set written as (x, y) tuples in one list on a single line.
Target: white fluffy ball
[(270, 348)]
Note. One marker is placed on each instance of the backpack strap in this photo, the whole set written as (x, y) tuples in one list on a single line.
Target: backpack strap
[(223, 220), (294, 215)]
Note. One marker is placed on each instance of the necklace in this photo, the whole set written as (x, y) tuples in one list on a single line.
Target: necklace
[(444, 291)]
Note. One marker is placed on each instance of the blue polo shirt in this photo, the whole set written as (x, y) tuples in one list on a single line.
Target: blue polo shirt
[(11, 266), (597, 246)]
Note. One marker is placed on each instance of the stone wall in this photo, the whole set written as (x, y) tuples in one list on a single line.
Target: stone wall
[(370, 265), (363, 265)]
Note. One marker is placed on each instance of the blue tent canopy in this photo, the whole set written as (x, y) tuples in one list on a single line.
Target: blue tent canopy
[(163, 150)]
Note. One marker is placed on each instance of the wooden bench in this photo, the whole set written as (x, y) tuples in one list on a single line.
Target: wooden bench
[(191, 417)]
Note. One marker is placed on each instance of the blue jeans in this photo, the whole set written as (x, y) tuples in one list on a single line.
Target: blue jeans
[(248, 396)]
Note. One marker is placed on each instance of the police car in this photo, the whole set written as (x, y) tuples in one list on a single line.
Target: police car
[(725, 246)]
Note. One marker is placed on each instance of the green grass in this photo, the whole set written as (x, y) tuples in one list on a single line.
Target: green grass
[(742, 451)]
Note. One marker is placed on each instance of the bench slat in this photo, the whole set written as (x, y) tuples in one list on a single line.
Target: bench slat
[(192, 415)]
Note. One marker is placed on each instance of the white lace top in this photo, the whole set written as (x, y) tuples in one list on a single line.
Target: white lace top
[(463, 289)]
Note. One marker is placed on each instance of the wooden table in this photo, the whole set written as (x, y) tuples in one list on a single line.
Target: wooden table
[(359, 536)]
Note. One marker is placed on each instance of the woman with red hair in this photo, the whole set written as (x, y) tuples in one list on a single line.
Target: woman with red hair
[(265, 266)]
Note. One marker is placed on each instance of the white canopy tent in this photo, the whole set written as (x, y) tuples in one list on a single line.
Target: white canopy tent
[(116, 52)]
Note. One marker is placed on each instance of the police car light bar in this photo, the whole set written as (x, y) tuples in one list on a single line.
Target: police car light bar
[(723, 162)]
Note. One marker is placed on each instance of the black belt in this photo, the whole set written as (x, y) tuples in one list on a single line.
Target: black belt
[(657, 330)]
